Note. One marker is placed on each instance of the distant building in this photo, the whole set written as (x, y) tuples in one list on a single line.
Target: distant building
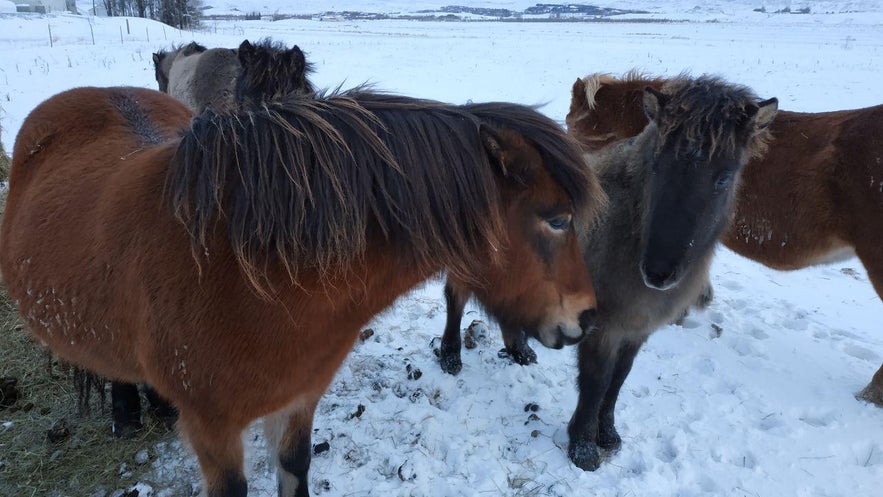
[(7, 7), (40, 6)]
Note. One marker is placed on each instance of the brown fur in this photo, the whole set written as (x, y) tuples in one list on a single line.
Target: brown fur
[(814, 197), (105, 274)]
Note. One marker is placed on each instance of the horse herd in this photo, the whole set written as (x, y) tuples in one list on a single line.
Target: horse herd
[(227, 250)]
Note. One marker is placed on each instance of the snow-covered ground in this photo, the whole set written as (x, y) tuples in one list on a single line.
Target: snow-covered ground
[(753, 397)]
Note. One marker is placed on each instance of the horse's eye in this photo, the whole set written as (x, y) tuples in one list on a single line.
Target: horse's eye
[(723, 181), (559, 223)]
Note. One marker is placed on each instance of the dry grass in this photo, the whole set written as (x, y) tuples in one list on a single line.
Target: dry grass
[(87, 463), (4, 161)]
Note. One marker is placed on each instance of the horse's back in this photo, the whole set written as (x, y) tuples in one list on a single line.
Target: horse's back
[(85, 161)]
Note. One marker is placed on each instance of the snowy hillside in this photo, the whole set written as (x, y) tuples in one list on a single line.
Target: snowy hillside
[(752, 397)]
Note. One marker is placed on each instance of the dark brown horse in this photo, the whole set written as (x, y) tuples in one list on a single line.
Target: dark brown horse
[(231, 265), (671, 190), (814, 198)]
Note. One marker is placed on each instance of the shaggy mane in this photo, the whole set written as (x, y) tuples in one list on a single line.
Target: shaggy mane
[(709, 108), (304, 182), (635, 77)]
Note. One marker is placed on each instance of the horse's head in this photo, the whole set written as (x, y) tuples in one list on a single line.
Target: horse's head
[(162, 64), (270, 71), (163, 60), (701, 132), (604, 109), (539, 282)]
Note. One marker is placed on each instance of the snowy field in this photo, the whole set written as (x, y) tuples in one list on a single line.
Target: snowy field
[(752, 397)]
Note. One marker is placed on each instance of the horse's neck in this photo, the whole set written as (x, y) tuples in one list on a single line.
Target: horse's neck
[(614, 243)]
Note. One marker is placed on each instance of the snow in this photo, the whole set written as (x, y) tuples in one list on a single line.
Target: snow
[(753, 396)]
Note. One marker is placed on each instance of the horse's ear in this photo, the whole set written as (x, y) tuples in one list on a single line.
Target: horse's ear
[(763, 114), (245, 51), (297, 56), (578, 92), (654, 101), (490, 140)]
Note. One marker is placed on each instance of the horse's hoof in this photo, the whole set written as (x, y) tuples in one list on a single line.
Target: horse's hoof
[(872, 394), (524, 355), (585, 455), (126, 430), (706, 297), (609, 439), (450, 364)]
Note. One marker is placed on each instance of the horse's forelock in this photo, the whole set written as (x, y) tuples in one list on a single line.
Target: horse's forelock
[(709, 113), (561, 152)]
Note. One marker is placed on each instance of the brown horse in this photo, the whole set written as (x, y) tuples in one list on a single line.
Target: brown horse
[(814, 198), (232, 264)]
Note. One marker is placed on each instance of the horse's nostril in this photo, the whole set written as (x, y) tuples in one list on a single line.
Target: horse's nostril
[(658, 278), (587, 319)]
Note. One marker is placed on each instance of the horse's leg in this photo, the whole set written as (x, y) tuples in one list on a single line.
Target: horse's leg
[(871, 255), (706, 296), (288, 433), (160, 407), (217, 443), (516, 345), (703, 301), (126, 408), (608, 438), (597, 362), (449, 350)]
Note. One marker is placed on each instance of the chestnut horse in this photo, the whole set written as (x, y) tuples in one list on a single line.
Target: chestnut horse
[(231, 265), (671, 192), (814, 198)]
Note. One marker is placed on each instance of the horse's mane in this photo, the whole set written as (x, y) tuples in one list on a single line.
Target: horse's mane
[(306, 181), (707, 107), (270, 70), (188, 49), (634, 77), (559, 150)]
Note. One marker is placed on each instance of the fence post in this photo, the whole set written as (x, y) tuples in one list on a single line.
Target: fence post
[(147, 30), (121, 35), (50, 34), (92, 32), (128, 32)]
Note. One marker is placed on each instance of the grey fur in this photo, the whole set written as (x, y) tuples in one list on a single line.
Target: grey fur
[(215, 79), (671, 193)]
